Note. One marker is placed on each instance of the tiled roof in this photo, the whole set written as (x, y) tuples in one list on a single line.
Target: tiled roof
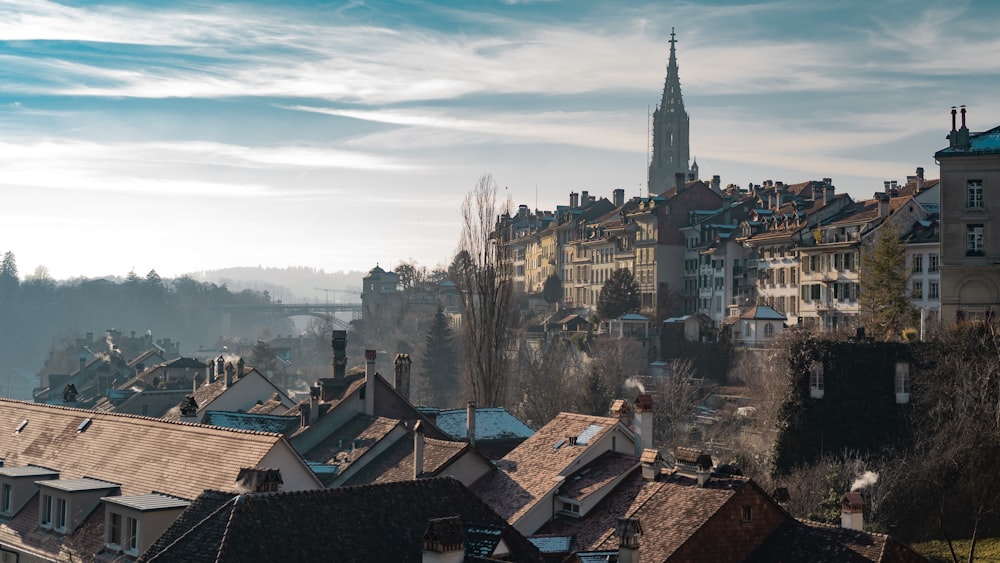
[(351, 441), (763, 312), (248, 421), (987, 142), (529, 471), (370, 523), (23, 533), (491, 424), (396, 463), (598, 474), (142, 454), (671, 511), (811, 541), (272, 406)]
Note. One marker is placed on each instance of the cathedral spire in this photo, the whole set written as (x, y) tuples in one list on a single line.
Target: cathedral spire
[(671, 131)]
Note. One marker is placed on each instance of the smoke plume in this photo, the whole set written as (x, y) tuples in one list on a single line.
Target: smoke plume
[(867, 479)]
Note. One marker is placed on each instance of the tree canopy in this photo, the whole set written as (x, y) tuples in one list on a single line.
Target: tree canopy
[(884, 300), (552, 290), (619, 295)]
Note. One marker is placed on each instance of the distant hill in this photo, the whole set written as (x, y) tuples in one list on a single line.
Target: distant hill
[(294, 284)]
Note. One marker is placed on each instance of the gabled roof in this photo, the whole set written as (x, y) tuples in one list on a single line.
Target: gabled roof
[(369, 523), (142, 454), (396, 463), (528, 472), (351, 441), (811, 541)]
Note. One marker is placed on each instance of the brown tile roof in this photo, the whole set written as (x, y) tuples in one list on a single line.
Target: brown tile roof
[(271, 406), (142, 454), (598, 474), (396, 463), (811, 541), (22, 531), (529, 471), (370, 523), (351, 441)]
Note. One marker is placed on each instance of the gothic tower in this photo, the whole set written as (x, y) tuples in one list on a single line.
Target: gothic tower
[(671, 151)]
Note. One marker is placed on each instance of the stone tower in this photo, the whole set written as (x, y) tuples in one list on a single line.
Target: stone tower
[(671, 127)]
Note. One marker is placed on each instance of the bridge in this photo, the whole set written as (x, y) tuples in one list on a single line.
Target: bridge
[(326, 311)]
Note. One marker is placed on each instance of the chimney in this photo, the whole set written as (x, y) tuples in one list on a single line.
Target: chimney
[(828, 194), (314, 394), (574, 200), (619, 410), (339, 343), (651, 461), (402, 375), (619, 197), (220, 367), (369, 388), (240, 366), (717, 184), (679, 182), (470, 423), (305, 415), (920, 178), (885, 186), (211, 372), (230, 370), (704, 470), (643, 423), (852, 511), (883, 204), (258, 480), (584, 198), (444, 541), (418, 450), (628, 531)]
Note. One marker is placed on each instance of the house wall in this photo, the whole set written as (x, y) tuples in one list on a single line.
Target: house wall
[(468, 469), (726, 536), (295, 474), (329, 422), (243, 394)]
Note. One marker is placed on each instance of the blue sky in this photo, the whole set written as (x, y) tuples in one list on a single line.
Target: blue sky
[(186, 136)]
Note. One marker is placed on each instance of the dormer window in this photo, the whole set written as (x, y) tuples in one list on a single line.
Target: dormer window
[(6, 494), (133, 523), (65, 503)]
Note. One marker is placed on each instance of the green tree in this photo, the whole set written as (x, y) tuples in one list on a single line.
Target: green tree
[(440, 369), (8, 273), (619, 295), (884, 300), (552, 290)]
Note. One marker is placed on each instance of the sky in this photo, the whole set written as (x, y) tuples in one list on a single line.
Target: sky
[(190, 136)]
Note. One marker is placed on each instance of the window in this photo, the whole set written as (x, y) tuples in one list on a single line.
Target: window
[(974, 240), (115, 529), (5, 493), (918, 263), (974, 194), (933, 291), (918, 290), (747, 513), (131, 535), (60, 523), (932, 265), (46, 511), (768, 330), (816, 383)]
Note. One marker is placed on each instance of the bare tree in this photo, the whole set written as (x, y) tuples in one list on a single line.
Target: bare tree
[(678, 394), (486, 290), (547, 375)]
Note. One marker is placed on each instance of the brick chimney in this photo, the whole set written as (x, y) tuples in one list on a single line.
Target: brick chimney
[(339, 343), (444, 541), (369, 389), (401, 372), (852, 511), (418, 450), (628, 531), (470, 423), (643, 423)]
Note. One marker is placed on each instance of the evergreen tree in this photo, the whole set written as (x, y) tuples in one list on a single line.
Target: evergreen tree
[(552, 290), (439, 361), (619, 295), (8, 276), (885, 300)]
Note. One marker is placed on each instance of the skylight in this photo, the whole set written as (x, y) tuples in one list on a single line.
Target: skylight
[(588, 433)]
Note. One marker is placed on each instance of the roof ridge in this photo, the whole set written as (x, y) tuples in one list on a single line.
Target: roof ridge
[(197, 525), (43, 406)]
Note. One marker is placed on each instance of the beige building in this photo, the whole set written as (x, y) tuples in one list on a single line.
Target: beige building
[(970, 240)]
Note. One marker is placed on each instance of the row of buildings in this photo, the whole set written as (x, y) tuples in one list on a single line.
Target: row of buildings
[(354, 472), (698, 248)]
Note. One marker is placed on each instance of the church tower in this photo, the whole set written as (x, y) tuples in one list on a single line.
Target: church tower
[(671, 127)]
